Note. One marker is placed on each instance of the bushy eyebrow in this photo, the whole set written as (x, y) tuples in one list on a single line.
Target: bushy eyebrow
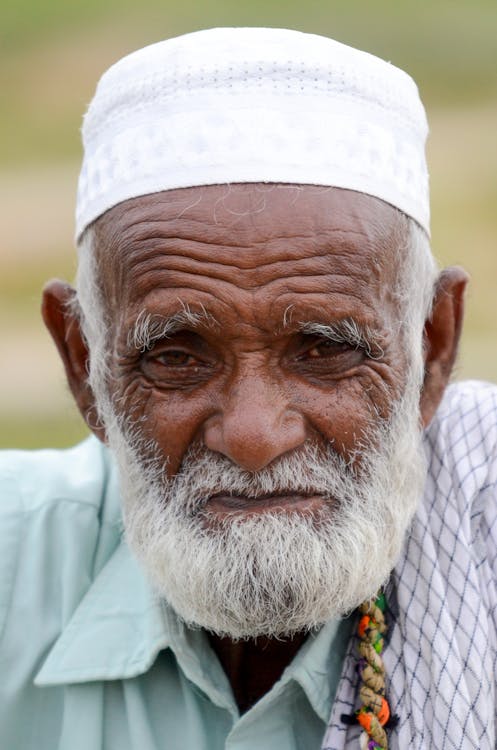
[(151, 327), (347, 331)]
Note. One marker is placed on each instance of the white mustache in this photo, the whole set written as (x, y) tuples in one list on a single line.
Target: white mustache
[(312, 470)]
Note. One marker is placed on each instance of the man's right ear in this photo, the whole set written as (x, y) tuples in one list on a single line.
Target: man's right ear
[(64, 326)]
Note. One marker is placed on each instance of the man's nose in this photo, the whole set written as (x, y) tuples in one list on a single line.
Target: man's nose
[(255, 425)]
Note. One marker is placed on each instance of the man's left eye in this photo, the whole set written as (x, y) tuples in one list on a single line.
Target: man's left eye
[(326, 349), (328, 358)]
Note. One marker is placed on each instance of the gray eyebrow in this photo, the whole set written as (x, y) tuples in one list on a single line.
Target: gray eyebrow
[(347, 331), (150, 327)]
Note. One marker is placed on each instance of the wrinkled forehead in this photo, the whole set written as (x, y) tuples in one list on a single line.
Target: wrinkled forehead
[(248, 244), (243, 218)]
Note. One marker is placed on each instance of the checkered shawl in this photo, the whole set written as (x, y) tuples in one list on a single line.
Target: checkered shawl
[(440, 655)]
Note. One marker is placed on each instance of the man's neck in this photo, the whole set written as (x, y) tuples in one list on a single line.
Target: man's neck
[(253, 666)]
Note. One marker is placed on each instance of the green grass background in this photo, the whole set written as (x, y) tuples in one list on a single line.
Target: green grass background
[(51, 55)]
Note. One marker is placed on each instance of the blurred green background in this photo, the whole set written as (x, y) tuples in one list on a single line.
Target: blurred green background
[(53, 52)]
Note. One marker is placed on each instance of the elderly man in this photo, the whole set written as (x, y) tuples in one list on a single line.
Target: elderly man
[(261, 343)]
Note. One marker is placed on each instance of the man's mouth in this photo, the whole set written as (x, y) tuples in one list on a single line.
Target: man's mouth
[(223, 503)]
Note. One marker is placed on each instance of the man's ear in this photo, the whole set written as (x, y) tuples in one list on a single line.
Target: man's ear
[(62, 321), (441, 338)]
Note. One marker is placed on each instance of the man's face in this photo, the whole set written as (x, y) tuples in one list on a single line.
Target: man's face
[(248, 374), (262, 409)]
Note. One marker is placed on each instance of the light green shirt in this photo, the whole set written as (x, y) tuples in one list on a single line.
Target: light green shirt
[(90, 659)]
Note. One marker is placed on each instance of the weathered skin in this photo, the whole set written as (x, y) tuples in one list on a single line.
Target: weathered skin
[(261, 260)]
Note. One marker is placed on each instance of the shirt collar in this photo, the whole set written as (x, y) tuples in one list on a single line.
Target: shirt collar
[(116, 631), (318, 664)]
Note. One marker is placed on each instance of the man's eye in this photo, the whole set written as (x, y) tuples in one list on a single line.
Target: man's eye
[(176, 368), (174, 358), (326, 349), (329, 359)]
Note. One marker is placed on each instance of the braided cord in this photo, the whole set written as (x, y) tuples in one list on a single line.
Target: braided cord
[(374, 712)]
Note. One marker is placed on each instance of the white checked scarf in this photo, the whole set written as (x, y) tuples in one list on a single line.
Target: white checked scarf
[(440, 655)]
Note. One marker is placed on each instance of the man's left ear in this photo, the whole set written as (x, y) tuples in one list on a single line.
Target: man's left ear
[(441, 338)]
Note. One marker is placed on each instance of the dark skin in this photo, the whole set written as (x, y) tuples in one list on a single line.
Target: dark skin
[(261, 260)]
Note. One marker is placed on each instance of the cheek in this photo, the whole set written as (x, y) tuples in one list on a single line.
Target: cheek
[(339, 419), (348, 413), (173, 420)]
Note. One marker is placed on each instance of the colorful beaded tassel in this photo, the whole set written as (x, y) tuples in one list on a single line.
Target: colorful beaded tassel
[(374, 712)]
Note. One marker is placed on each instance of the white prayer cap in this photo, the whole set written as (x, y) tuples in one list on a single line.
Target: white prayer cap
[(253, 105)]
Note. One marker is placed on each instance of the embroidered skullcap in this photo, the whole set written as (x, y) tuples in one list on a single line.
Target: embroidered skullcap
[(253, 105)]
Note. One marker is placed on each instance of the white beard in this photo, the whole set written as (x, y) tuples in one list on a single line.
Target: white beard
[(272, 573)]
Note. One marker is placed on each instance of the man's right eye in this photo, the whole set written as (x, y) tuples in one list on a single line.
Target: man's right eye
[(175, 358), (176, 367)]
